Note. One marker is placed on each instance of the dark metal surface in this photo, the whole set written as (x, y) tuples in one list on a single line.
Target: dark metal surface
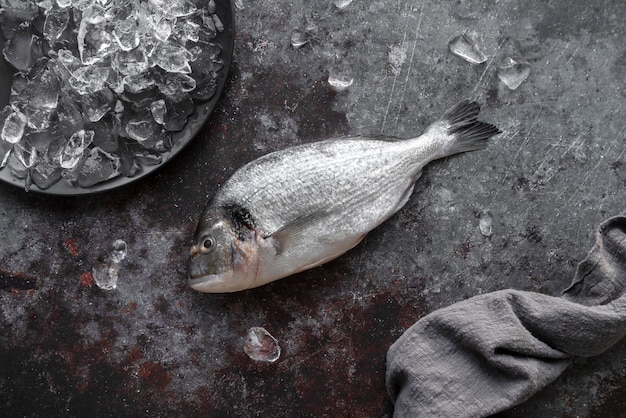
[(179, 139), (154, 347)]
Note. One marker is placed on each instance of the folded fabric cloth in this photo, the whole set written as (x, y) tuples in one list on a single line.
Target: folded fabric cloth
[(493, 351)]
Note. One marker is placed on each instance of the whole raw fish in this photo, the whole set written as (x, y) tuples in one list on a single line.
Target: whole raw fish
[(295, 209)]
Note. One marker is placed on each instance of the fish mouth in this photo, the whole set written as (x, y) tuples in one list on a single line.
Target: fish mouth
[(214, 283), (206, 284)]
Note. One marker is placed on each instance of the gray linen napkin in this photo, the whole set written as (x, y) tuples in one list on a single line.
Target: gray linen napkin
[(493, 351)]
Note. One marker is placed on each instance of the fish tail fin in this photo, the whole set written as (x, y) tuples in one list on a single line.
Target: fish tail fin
[(466, 131)]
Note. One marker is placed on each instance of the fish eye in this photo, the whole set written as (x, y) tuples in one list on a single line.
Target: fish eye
[(208, 245)]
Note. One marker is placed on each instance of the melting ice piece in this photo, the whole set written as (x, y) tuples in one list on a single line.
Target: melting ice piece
[(95, 41), (125, 33), (341, 4), (46, 173), (55, 24), (513, 73), (158, 110), (26, 153), (142, 126), (298, 39), (171, 84), (100, 166), (179, 107), (98, 104), (89, 79), (13, 127), (260, 345), (173, 58), (69, 116), (130, 62), (5, 152), (340, 82), (463, 46), (75, 148), (106, 272), (485, 223), (23, 49)]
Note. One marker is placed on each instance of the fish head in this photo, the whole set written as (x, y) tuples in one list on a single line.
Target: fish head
[(223, 258)]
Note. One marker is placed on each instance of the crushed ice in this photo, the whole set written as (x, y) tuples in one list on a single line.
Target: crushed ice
[(98, 66)]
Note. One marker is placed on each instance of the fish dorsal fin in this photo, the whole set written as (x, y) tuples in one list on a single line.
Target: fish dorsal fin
[(294, 230)]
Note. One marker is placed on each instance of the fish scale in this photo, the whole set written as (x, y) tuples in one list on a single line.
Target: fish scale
[(297, 208)]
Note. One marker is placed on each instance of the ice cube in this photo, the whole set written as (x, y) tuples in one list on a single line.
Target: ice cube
[(219, 26), (55, 24), (211, 7), (19, 9), (171, 84), (130, 62), (5, 152), (23, 49), (75, 148), (485, 223), (16, 167), (125, 33), (106, 133), (89, 79), (138, 83), (26, 153), (158, 109), (173, 58), (147, 157), (70, 118), (100, 166), (106, 270), (298, 39), (342, 4), (13, 127), (46, 173), (98, 104), (260, 345), (340, 82), (513, 73), (95, 41), (463, 46), (158, 26), (142, 126), (120, 249), (179, 107)]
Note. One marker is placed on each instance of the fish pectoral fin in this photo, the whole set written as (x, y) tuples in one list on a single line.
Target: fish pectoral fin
[(294, 230)]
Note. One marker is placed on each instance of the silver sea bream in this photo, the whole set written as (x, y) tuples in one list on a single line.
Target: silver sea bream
[(297, 208)]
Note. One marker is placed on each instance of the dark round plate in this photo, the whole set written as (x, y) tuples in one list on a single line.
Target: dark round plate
[(179, 139)]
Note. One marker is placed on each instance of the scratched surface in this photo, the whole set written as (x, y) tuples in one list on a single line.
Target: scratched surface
[(154, 347)]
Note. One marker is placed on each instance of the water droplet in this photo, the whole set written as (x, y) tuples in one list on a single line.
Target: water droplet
[(260, 345), (463, 46), (485, 223), (513, 73)]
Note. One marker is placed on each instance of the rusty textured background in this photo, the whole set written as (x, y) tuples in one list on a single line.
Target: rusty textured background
[(154, 347)]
